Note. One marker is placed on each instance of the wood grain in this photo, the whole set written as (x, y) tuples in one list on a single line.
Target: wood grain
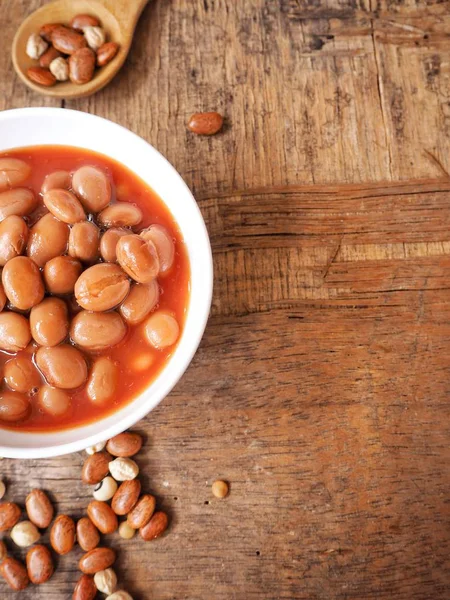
[(320, 390)]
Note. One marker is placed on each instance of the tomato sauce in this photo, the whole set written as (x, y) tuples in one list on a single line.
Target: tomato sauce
[(139, 364)]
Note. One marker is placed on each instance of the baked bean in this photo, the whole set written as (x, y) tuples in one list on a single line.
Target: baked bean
[(39, 564), (97, 331), (15, 332), (3, 550), (49, 322), (109, 241), (120, 214), (103, 381), (57, 180), (62, 366), (14, 573), (54, 401), (84, 241), (93, 188), (124, 444), (39, 508), (85, 588), (155, 527), (141, 300), (142, 512), (48, 238), (13, 407), (161, 329), (103, 516), (95, 468), (9, 515), (2, 297), (165, 248), (88, 536), (137, 258), (22, 282), (101, 287), (97, 560), (19, 201), (64, 205), (21, 375), (61, 274), (126, 496), (13, 238), (62, 534), (13, 171)]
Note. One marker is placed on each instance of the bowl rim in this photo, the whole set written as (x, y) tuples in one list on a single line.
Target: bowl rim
[(202, 311)]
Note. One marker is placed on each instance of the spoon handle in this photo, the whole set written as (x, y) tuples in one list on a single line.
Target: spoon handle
[(127, 12)]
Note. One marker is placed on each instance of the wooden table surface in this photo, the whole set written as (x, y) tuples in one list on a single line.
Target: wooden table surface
[(321, 388)]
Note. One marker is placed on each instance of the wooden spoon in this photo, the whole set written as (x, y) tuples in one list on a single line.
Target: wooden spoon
[(117, 17)]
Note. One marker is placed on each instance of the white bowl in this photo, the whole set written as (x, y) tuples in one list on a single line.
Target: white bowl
[(41, 126)]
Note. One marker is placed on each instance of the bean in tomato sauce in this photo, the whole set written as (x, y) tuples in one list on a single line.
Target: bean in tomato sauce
[(94, 287)]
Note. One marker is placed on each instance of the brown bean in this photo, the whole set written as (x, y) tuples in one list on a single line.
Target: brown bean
[(205, 123), (137, 258), (103, 381), (97, 331), (85, 588), (82, 66), (84, 241), (2, 297), (120, 214), (79, 22), (14, 407), (21, 375), (103, 517), (101, 287), (97, 560), (54, 401), (62, 534), (165, 247), (56, 180), (50, 54), (126, 496), (19, 201), (141, 300), (13, 238), (161, 329), (109, 241), (15, 332), (22, 282), (3, 551), (142, 512), (67, 40), (87, 534), (39, 564), (14, 573), (39, 508), (13, 171), (155, 527), (124, 444), (41, 76), (93, 188), (95, 468), (49, 322), (63, 366), (47, 30), (64, 205), (106, 53), (9, 515), (61, 274), (48, 238)]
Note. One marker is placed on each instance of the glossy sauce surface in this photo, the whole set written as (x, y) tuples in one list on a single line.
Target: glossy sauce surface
[(138, 363)]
